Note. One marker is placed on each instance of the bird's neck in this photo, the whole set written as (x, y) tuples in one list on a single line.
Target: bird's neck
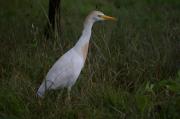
[(83, 41)]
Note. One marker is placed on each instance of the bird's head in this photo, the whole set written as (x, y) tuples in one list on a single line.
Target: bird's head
[(99, 16)]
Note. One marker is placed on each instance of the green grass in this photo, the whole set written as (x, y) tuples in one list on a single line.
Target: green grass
[(132, 70)]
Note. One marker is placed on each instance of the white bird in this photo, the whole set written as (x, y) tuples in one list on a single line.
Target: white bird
[(67, 68)]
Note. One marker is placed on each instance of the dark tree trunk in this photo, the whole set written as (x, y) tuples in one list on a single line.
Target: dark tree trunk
[(54, 15)]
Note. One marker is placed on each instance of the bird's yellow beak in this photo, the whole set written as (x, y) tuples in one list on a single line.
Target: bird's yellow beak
[(105, 17)]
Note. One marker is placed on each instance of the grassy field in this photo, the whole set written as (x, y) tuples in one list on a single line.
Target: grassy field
[(132, 70)]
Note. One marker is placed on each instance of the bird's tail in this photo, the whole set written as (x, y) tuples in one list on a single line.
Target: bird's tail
[(41, 91), (43, 88)]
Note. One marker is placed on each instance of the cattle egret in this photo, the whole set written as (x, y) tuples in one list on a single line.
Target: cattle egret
[(67, 68)]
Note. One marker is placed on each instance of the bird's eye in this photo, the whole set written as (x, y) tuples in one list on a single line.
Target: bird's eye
[(100, 16)]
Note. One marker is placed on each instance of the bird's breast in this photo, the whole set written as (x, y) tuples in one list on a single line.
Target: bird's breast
[(84, 50)]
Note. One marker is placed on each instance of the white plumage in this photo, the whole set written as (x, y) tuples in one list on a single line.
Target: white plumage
[(63, 73), (67, 68)]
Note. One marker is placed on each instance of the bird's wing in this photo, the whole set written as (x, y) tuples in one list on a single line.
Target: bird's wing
[(65, 71)]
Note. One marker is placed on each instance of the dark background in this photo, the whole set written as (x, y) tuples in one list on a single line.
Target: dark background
[(131, 71)]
